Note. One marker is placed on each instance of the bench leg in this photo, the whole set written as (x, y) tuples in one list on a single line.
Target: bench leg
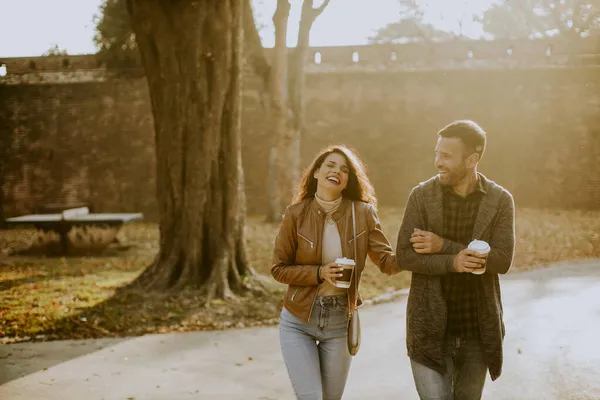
[(63, 229), (64, 243)]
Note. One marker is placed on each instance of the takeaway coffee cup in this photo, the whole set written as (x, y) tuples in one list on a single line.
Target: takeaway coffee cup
[(481, 247), (348, 268)]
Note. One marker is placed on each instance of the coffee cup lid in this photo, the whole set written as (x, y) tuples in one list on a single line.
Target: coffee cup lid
[(344, 261), (479, 245)]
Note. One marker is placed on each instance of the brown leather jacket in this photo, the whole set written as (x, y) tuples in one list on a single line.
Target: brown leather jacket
[(297, 253)]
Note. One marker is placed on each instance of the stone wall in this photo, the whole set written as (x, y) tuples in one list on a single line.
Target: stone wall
[(94, 141), (449, 53)]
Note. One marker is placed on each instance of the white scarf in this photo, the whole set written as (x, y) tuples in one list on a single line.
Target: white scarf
[(330, 207)]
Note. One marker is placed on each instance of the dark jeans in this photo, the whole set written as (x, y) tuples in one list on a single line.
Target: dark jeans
[(464, 377)]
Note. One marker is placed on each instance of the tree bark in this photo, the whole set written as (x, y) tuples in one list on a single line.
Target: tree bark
[(279, 186), (287, 114), (2, 219), (192, 54)]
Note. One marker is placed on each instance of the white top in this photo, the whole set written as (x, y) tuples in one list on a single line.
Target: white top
[(332, 244)]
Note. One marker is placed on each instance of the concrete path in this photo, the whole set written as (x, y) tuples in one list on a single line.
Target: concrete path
[(552, 351)]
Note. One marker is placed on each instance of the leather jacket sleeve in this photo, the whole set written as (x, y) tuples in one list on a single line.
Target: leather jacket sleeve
[(284, 269), (380, 251)]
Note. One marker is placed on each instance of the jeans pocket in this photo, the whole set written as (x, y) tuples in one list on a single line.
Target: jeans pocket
[(337, 321)]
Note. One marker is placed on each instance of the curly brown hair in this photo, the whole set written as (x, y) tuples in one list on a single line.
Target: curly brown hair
[(359, 187)]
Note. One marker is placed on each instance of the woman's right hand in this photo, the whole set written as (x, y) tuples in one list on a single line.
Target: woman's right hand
[(330, 272)]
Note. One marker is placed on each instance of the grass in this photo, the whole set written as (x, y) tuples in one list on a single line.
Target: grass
[(77, 297)]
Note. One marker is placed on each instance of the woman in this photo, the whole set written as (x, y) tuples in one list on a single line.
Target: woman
[(315, 231)]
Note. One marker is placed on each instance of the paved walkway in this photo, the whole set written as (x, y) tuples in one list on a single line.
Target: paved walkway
[(551, 352)]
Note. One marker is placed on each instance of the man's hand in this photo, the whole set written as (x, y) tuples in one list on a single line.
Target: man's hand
[(425, 242), (468, 261)]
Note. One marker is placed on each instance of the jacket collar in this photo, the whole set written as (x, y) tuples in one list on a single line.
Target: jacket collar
[(337, 215), (480, 187), (434, 204)]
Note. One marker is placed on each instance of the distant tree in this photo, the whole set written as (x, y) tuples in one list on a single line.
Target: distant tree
[(286, 94), (538, 18), (114, 37), (118, 49), (311, 10), (409, 28), (55, 51)]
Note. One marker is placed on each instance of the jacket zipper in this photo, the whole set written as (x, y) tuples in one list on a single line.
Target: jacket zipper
[(313, 302), (310, 242), (295, 293), (312, 306), (357, 236), (319, 235)]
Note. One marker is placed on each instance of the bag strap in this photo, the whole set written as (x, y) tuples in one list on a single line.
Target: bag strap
[(355, 257)]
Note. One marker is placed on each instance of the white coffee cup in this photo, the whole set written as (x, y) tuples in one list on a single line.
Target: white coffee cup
[(345, 280), (480, 247)]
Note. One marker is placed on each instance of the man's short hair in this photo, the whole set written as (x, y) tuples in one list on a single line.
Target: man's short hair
[(471, 134)]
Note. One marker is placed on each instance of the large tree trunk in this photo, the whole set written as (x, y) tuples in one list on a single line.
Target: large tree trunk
[(191, 52), (297, 83), (279, 185), (2, 221)]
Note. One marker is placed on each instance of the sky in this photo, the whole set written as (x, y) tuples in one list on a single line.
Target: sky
[(31, 27)]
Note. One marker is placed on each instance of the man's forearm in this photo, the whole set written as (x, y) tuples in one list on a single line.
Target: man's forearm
[(429, 264), (499, 260), (452, 247), (407, 258)]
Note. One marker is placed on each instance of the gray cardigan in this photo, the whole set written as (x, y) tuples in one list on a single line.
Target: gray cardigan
[(426, 310)]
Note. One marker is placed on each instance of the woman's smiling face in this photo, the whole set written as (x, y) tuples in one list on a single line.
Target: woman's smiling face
[(332, 176)]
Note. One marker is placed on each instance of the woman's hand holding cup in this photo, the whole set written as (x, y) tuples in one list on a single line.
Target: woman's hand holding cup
[(330, 272)]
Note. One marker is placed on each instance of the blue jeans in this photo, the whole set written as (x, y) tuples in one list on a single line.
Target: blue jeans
[(315, 352), (464, 377)]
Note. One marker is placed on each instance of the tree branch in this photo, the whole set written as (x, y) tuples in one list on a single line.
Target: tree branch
[(556, 14), (590, 19), (253, 48), (309, 13), (282, 10), (319, 10)]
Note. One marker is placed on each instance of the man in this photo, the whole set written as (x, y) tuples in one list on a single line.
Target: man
[(454, 314)]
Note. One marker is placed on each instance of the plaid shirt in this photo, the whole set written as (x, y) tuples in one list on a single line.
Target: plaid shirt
[(460, 290)]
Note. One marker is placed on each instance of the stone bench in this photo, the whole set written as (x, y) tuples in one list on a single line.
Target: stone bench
[(77, 227)]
